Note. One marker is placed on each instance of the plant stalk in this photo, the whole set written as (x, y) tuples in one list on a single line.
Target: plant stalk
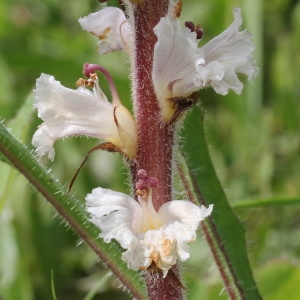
[(155, 141)]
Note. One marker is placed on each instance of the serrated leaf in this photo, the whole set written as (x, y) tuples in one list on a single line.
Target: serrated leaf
[(223, 230)]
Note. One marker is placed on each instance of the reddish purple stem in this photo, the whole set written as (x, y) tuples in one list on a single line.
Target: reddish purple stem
[(155, 140)]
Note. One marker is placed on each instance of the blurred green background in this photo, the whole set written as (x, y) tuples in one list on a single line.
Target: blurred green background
[(254, 142)]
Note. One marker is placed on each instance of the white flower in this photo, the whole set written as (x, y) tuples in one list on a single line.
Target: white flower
[(68, 112), (110, 26), (148, 236), (180, 68)]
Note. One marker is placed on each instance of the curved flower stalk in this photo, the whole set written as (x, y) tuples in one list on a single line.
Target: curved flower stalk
[(68, 112), (148, 236), (111, 26), (180, 68)]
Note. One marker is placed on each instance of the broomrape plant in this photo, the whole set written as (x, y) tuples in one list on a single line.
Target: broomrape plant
[(169, 65)]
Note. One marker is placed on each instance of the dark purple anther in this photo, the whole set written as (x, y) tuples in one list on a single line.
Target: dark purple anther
[(198, 29), (199, 32), (190, 25)]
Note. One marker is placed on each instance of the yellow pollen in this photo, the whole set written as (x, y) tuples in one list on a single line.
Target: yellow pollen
[(103, 36), (167, 246), (155, 257)]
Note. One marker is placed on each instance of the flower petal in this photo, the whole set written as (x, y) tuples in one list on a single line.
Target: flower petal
[(114, 213), (181, 220), (232, 49), (110, 26), (160, 248), (175, 61), (147, 235), (68, 112), (180, 68), (126, 129)]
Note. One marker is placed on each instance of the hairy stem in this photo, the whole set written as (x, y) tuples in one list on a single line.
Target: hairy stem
[(155, 141), (166, 288)]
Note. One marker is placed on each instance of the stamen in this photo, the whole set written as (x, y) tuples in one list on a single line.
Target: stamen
[(89, 69), (85, 83), (142, 174), (198, 29), (152, 182), (190, 25), (144, 182), (140, 184), (178, 9)]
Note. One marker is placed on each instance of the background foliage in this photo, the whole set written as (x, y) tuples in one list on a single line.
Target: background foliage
[(254, 143)]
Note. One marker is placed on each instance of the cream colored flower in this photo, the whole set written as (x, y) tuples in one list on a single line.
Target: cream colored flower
[(180, 68), (111, 26), (80, 112), (148, 236)]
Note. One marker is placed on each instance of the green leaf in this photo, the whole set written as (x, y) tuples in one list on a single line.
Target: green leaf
[(266, 202), (53, 286), (19, 126), (114, 3), (224, 232), (4, 160), (71, 210), (279, 280), (97, 286)]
